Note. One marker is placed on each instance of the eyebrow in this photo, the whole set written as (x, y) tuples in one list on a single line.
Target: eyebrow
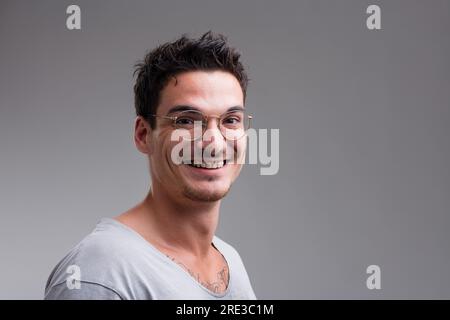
[(180, 108)]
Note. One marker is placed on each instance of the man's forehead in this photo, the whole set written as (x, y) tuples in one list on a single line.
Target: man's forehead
[(202, 82), (204, 90)]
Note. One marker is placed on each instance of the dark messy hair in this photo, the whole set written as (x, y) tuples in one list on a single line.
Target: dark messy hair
[(209, 52)]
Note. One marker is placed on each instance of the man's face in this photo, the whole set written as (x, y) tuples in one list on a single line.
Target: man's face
[(213, 93)]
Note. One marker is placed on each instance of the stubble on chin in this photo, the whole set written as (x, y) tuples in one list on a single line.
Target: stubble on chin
[(204, 196)]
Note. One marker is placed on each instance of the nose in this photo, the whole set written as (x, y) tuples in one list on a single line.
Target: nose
[(213, 139)]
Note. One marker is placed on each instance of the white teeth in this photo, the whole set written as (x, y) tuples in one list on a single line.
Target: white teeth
[(209, 165)]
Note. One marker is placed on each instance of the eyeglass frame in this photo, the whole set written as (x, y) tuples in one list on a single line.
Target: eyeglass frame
[(206, 117)]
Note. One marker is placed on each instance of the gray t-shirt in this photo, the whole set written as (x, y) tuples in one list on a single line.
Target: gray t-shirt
[(114, 262)]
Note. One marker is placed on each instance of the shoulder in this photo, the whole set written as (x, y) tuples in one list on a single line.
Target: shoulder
[(99, 261)]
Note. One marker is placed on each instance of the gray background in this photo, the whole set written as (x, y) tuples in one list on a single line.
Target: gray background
[(364, 126)]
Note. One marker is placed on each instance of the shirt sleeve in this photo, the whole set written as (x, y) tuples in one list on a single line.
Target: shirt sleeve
[(87, 291)]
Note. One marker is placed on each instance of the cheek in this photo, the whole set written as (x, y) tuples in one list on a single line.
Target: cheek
[(166, 154), (161, 150), (240, 149)]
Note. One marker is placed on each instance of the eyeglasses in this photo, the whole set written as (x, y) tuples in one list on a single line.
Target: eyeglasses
[(232, 124)]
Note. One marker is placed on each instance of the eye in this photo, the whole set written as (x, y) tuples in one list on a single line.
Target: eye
[(183, 121), (232, 119)]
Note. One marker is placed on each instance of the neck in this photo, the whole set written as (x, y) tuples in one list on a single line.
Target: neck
[(186, 225)]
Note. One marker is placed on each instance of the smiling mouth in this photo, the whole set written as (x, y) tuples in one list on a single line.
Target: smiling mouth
[(208, 165)]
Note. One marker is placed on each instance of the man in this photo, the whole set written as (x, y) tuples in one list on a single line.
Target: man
[(165, 247)]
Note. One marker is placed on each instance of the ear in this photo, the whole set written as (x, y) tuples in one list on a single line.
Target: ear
[(143, 135)]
